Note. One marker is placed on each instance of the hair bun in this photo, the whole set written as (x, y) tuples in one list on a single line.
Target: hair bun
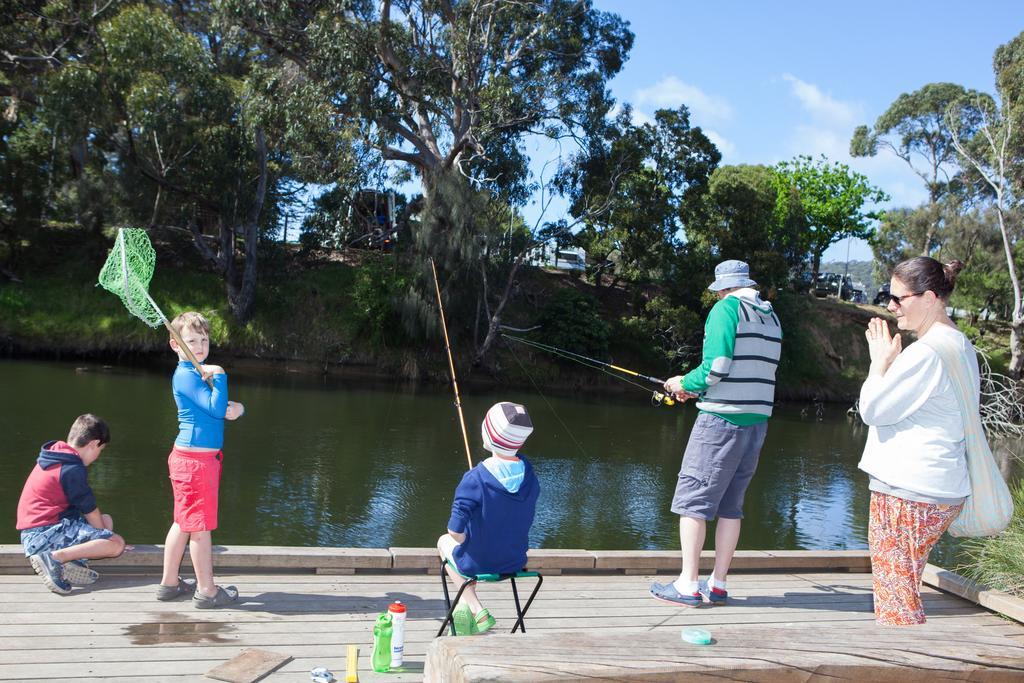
[(952, 270)]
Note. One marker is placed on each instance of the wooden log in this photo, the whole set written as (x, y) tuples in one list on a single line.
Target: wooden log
[(996, 600)]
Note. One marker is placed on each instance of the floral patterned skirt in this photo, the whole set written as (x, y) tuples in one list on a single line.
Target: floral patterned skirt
[(901, 534)]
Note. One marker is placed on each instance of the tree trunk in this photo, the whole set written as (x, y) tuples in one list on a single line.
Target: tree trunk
[(1017, 316), (495, 323), (933, 227), (1016, 369), (242, 297)]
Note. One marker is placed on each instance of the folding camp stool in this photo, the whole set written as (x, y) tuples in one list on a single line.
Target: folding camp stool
[(487, 578)]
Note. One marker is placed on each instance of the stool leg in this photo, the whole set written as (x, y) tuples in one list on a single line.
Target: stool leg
[(519, 610), (447, 602), (522, 613), (448, 620)]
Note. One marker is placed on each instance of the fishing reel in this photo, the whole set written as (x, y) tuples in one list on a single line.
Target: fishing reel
[(660, 398)]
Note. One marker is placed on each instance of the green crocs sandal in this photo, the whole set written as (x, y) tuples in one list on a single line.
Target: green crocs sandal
[(463, 621), (484, 621)]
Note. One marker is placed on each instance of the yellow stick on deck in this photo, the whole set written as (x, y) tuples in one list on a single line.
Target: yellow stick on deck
[(352, 665)]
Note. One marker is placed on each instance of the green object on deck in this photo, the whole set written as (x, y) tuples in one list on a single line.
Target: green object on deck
[(381, 659), (127, 273), (696, 636)]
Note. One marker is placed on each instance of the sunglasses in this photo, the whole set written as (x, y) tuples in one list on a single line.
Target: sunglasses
[(898, 300)]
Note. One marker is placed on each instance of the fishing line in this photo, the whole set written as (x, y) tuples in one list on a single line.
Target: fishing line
[(597, 365), (550, 407)]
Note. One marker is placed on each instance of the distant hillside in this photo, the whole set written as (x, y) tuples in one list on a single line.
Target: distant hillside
[(860, 271)]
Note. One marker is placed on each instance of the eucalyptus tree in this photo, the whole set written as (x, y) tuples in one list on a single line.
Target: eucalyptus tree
[(835, 202), (914, 129), (986, 146), (448, 89)]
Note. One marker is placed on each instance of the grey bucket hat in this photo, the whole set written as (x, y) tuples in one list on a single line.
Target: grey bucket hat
[(729, 274)]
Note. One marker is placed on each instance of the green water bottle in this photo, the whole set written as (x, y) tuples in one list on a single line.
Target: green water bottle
[(381, 660)]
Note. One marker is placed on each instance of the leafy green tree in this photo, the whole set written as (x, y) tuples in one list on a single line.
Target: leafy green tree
[(914, 129), (834, 200), (983, 288), (1008, 64), (752, 213), (897, 238), (45, 172), (650, 178)]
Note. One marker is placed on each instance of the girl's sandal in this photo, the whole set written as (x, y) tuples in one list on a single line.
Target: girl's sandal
[(224, 597)]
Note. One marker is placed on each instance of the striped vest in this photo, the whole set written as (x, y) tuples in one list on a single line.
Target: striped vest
[(749, 384)]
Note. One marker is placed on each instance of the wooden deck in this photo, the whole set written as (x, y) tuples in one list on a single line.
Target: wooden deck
[(792, 625)]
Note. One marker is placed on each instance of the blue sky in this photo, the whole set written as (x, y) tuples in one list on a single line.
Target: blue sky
[(770, 80)]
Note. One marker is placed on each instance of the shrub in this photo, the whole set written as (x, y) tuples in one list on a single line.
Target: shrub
[(998, 561), (570, 320)]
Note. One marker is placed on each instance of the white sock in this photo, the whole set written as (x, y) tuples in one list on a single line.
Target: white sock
[(685, 586)]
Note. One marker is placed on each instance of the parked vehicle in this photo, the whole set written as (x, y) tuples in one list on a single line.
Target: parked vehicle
[(834, 284), (882, 296)]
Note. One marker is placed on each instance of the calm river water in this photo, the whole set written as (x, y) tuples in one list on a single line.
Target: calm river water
[(328, 463)]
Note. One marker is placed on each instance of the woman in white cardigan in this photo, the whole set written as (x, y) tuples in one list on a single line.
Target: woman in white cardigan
[(915, 452)]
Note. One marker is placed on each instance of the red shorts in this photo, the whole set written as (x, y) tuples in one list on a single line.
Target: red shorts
[(195, 480)]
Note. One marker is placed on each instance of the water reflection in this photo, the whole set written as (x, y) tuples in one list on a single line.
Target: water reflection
[(318, 462)]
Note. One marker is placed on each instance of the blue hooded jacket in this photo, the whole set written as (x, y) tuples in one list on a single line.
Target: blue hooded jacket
[(496, 522)]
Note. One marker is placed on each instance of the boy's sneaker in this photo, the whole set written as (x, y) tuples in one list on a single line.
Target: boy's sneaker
[(714, 596), (666, 592), (51, 571), (77, 573)]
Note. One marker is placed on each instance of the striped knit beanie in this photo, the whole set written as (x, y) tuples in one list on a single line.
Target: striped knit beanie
[(505, 428)]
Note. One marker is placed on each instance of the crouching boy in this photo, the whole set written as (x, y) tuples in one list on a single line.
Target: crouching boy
[(488, 532), (61, 526)]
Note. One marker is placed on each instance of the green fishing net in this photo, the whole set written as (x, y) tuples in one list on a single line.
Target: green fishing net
[(127, 273)]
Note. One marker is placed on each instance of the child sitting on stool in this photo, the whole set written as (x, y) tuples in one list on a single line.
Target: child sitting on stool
[(488, 532)]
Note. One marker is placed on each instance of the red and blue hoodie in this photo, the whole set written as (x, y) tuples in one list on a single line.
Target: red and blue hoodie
[(57, 487)]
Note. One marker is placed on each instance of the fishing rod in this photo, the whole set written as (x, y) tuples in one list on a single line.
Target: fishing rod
[(451, 365), (657, 397)]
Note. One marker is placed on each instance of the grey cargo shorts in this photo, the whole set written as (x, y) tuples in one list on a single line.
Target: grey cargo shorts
[(718, 464)]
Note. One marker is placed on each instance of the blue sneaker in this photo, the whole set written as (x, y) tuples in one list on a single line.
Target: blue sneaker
[(714, 596), (666, 592), (51, 571)]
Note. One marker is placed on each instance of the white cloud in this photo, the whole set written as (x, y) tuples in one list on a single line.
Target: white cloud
[(822, 107), (670, 92), (827, 128), (724, 145)]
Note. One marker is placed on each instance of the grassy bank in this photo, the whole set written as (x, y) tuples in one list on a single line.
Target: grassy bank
[(316, 313)]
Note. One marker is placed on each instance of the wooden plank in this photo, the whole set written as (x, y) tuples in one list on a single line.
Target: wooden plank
[(423, 559), (782, 654), (104, 632), (256, 558), (248, 666), (996, 600), (545, 560)]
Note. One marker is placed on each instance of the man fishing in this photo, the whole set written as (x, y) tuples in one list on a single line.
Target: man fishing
[(735, 385)]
